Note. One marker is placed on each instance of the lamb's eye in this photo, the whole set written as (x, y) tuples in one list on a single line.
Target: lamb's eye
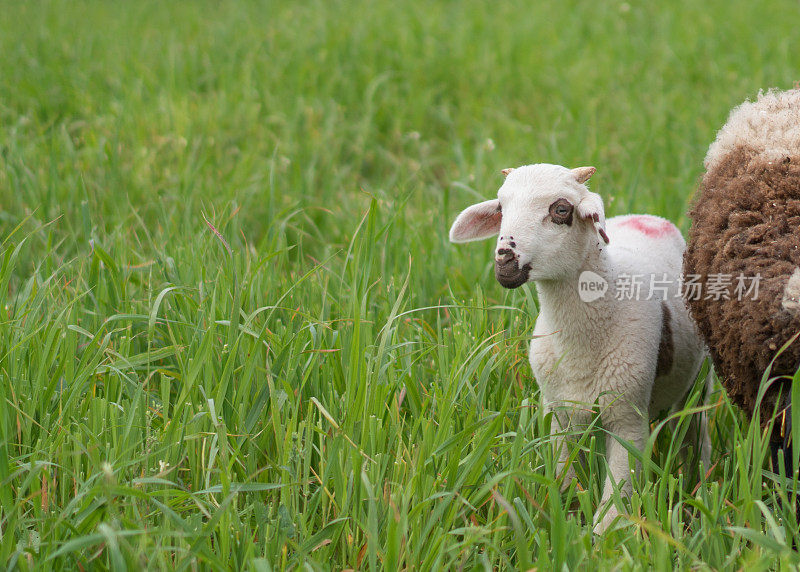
[(561, 212)]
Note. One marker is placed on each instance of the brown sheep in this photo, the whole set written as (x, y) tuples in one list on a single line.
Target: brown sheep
[(746, 222)]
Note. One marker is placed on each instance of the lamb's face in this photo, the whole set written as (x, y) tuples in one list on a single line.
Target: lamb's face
[(546, 220), (541, 236)]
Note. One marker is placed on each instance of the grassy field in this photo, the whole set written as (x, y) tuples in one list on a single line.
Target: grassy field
[(233, 334)]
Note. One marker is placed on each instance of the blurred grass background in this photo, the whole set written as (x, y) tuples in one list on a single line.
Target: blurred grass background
[(329, 382)]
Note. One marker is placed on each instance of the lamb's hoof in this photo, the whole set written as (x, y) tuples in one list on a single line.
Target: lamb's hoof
[(605, 522), (567, 479)]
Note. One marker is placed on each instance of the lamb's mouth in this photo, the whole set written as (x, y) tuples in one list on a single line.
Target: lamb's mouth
[(509, 274)]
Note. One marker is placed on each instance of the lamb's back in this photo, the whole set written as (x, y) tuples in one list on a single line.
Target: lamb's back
[(644, 244)]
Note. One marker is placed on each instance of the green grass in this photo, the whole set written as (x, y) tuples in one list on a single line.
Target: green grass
[(329, 383)]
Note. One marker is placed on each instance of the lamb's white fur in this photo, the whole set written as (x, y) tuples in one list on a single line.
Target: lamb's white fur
[(603, 351), (770, 126)]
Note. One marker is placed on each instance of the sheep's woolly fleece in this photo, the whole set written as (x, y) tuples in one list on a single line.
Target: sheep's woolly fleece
[(746, 220)]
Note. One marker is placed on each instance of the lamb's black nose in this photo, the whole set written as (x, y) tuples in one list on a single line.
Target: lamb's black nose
[(504, 255)]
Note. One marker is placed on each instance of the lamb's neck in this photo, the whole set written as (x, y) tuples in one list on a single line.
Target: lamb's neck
[(560, 301)]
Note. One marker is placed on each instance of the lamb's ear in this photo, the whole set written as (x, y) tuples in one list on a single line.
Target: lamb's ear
[(591, 208), (507, 171), (582, 174), (477, 222)]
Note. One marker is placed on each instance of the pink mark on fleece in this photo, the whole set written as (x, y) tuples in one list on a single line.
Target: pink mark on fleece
[(651, 226)]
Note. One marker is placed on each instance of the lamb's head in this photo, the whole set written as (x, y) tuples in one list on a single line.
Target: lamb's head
[(546, 219)]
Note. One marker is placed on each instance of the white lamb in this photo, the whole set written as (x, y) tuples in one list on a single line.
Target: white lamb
[(633, 353)]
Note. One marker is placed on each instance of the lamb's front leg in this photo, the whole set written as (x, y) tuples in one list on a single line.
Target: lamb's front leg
[(567, 419), (623, 418)]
